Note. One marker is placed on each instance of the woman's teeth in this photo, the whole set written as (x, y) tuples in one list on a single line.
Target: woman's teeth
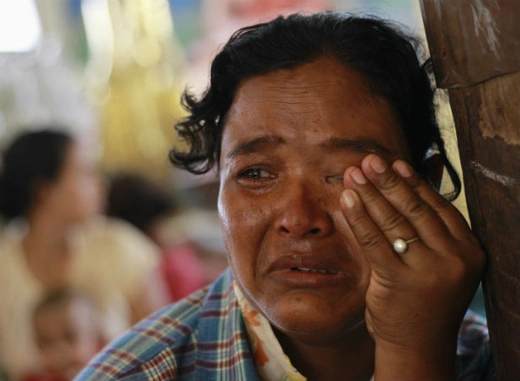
[(322, 271)]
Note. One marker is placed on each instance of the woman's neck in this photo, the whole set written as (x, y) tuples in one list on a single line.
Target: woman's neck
[(46, 248), (348, 359)]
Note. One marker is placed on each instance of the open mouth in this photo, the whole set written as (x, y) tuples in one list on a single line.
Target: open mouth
[(321, 271)]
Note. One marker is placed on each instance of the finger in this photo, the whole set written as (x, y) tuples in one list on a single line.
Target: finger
[(371, 240), (451, 216), (389, 221), (392, 223), (418, 212)]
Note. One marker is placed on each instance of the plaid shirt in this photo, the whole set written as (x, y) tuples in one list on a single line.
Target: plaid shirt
[(203, 337)]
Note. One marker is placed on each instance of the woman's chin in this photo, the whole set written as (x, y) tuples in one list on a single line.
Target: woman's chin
[(316, 319)]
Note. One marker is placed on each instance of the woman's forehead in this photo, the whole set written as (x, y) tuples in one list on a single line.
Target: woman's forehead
[(318, 101), (324, 74)]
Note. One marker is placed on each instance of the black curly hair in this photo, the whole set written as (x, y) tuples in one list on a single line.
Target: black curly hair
[(387, 57)]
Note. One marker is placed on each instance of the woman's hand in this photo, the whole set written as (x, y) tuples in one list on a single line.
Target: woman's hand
[(415, 300)]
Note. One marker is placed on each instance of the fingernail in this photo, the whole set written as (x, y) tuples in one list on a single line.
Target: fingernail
[(348, 198), (378, 164), (403, 169), (358, 176)]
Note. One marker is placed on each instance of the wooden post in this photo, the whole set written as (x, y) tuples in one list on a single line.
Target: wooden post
[(475, 47)]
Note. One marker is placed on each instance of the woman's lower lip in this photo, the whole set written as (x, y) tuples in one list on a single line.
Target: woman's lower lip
[(307, 279)]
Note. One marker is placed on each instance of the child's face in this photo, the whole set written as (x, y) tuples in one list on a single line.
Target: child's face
[(68, 337)]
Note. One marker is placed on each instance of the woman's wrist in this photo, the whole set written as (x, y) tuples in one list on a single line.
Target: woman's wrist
[(394, 362)]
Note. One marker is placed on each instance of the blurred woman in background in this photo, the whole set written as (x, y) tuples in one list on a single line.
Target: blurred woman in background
[(51, 196), (185, 265)]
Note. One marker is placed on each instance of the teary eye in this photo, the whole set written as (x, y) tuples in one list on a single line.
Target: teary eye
[(334, 178), (252, 173), (255, 174), (256, 178)]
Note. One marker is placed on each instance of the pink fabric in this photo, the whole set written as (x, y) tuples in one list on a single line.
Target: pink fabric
[(182, 271)]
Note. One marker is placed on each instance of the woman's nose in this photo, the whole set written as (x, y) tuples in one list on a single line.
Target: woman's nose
[(303, 215)]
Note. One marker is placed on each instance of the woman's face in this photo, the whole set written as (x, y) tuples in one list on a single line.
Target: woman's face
[(77, 194), (288, 137)]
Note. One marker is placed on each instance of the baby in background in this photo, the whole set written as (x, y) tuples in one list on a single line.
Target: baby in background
[(68, 335)]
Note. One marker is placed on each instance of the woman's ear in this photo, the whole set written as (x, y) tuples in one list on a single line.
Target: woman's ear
[(434, 169)]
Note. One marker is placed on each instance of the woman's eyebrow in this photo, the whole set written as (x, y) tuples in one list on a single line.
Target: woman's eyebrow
[(254, 145), (359, 145), (335, 143)]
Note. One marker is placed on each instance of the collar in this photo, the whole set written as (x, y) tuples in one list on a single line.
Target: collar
[(270, 360)]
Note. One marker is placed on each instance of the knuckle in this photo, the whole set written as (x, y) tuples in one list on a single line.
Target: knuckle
[(417, 208), (416, 182), (370, 240), (458, 268), (370, 196), (441, 203), (391, 221), (356, 219), (389, 182), (448, 275)]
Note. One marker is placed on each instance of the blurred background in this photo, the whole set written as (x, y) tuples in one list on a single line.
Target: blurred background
[(112, 72)]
